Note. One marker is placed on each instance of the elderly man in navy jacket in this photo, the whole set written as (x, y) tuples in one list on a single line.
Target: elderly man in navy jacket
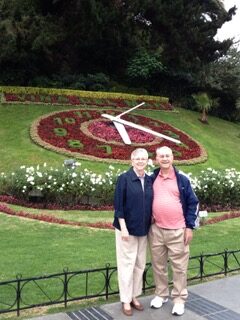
[(175, 215)]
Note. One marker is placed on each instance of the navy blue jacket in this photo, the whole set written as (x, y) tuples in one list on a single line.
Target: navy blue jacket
[(132, 203), (188, 198)]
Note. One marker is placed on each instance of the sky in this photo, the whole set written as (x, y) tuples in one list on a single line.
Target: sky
[(232, 28)]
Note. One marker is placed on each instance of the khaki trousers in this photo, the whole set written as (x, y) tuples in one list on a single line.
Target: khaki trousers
[(164, 244), (131, 261)]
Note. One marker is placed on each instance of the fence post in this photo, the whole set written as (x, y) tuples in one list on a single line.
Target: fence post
[(201, 266), (144, 281), (18, 292), (107, 280), (65, 284), (225, 261)]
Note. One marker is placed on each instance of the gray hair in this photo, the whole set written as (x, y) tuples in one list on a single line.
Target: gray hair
[(164, 148), (139, 151)]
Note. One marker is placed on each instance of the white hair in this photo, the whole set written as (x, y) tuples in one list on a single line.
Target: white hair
[(164, 149), (139, 151)]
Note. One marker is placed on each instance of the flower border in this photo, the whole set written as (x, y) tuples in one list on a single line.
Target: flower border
[(27, 95), (232, 214)]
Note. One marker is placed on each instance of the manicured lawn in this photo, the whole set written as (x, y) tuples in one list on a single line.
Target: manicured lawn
[(33, 248), (71, 215)]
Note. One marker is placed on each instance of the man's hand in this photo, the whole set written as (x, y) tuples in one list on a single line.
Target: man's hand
[(188, 236)]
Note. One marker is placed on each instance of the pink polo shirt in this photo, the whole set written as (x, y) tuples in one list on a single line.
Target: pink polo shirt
[(167, 208)]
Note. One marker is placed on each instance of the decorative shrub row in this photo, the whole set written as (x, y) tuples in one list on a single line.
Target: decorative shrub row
[(80, 97), (73, 186)]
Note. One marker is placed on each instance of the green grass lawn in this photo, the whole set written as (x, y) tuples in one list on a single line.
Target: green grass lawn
[(33, 248), (71, 215)]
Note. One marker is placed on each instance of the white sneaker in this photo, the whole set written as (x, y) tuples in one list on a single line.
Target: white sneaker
[(178, 309), (157, 302)]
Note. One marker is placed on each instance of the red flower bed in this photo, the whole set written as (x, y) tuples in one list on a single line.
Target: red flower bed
[(106, 130), (84, 134), (51, 219), (225, 216), (100, 225), (82, 101)]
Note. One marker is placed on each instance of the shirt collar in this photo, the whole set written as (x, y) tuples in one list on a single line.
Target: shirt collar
[(140, 177), (171, 175)]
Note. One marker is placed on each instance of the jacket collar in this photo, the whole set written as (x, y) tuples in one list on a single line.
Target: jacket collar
[(156, 171), (133, 174)]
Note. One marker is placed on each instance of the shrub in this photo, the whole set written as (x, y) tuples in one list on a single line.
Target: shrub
[(95, 82), (218, 187), (70, 186), (63, 186)]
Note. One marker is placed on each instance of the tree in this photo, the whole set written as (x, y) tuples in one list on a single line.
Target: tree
[(143, 66), (186, 31), (204, 103), (89, 36), (224, 82)]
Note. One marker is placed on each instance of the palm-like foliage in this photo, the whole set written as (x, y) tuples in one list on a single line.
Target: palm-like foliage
[(204, 103)]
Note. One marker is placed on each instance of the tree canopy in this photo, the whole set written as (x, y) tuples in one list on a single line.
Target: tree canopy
[(163, 45)]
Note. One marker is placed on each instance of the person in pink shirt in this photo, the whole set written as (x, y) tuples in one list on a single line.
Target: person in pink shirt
[(174, 216)]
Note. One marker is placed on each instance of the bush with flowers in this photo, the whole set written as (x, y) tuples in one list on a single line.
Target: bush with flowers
[(61, 186), (72, 186), (218, 187)]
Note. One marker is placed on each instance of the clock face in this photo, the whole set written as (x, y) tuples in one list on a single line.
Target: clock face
[(84, 134)]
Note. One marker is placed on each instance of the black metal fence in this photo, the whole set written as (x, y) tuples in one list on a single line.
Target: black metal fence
[(26, 293)]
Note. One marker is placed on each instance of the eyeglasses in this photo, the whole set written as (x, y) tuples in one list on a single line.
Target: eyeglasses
[(140, 159)]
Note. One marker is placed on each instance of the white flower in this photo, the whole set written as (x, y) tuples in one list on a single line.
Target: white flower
[(150, 162)]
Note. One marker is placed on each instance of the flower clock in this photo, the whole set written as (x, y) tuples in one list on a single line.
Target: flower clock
[(84, 134)]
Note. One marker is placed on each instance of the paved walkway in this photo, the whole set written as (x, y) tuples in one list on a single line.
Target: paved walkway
[(218, 300)]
